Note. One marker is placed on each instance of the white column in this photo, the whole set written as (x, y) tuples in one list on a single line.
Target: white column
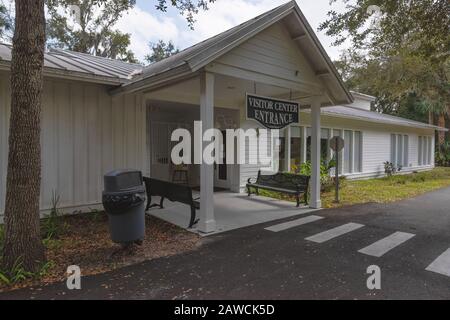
[(315, 201), (303, 146), (287, 149), (207, 221)]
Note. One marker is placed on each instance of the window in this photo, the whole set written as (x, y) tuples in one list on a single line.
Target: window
[(348, 143), (358, 152), (324, 144), (338, 133), (425, 151), (296, 145), (350, 160), (400, 150), (352, 153)]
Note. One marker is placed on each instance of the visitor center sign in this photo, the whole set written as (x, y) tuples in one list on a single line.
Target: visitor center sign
[(272, 113)]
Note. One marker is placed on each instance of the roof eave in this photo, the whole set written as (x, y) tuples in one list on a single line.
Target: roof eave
[(156, 81), (72, 75), (418, 126), (330, 65)]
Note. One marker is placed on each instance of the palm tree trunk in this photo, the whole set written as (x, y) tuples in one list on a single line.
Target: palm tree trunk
[(441, 135), (22, 233), (430, 118)]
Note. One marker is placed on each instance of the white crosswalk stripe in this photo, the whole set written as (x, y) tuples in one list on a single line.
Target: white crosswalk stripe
[(293, 223), (335, 232), (385, 245), (441, 265)]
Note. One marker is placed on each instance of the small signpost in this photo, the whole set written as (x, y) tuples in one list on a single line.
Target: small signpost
[(337, 144)]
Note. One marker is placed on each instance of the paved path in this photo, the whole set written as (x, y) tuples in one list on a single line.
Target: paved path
[(325, 256)]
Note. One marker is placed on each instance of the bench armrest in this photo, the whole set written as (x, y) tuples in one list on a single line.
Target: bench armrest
[(249, 181)]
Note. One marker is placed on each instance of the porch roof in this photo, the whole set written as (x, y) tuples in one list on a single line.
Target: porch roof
[(191, 60)]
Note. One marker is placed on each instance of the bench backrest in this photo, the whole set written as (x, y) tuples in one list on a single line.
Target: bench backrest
[(173, 192), (284, 180)]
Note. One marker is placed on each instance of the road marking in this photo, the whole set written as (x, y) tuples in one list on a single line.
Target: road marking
[(441, 264), (293, 223), (335, 232), (383, 246)]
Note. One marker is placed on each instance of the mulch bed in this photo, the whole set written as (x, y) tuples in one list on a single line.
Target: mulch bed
[(85, 242)]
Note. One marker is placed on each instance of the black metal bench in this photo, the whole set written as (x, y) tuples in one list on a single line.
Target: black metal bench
[(173, 192), (287, 183)]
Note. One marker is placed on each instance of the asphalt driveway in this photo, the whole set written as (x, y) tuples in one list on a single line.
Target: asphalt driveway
[(316, 257)]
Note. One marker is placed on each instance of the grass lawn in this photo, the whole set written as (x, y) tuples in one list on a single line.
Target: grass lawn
[(383, 190)]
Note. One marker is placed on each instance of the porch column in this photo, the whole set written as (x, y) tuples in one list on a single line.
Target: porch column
[(207, 221), (315, 201), (287, 149), (303, 144)]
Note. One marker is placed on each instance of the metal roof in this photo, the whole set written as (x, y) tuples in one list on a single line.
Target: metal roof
[(372, 116), (132, 77), (81, 64)]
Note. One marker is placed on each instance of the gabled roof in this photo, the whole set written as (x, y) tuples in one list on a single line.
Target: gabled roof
[(198, 56), (80, 65), (372, 116), (131, 77)]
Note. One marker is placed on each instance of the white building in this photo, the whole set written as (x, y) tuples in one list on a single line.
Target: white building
[(100, 114)]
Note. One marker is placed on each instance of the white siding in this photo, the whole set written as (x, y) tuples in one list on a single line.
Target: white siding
[(248, 170), (273, 53), (85, 133), (4, 128), (377, 150)]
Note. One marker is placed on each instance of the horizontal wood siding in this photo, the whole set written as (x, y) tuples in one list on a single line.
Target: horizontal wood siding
[(376, 150), (85, 134)]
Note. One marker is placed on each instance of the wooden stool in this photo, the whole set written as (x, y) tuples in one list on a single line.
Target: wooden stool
[(180, 176)]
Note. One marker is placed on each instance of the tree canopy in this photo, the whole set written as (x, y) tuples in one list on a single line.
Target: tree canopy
[(160, 50), (89, 27), (6, 22), (399, 53)]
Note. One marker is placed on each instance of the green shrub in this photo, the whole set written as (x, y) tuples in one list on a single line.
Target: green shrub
[(391, 169), (443, 155), (18, 272), (52, 225)]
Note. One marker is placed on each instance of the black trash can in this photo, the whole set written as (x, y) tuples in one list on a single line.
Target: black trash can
[(124, 202)]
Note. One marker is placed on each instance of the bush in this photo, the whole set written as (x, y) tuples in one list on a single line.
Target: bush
[(325, 179), (391, 169), (18, 272), (443, 155)]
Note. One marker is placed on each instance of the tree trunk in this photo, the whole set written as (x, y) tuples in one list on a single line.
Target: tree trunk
[(23, 243), (430, 118), (441, 134)]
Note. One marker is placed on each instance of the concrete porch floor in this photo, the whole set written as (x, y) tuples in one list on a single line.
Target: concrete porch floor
[(232, 211)]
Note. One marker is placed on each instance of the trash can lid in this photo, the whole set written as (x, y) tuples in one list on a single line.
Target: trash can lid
[(122, 180)]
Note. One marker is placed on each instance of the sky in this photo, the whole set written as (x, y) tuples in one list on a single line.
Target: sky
[(146, 24)]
